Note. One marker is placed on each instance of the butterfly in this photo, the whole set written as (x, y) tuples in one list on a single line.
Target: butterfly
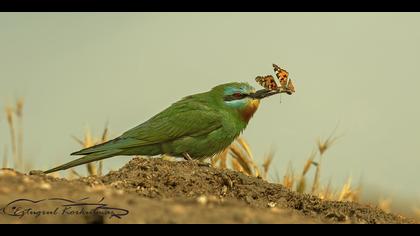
[(267, 82), (283, 76)]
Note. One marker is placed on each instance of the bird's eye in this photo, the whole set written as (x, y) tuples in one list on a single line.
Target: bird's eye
[(237, 95)]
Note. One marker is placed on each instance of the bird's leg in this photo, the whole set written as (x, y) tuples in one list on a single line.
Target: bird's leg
[(187, 157)]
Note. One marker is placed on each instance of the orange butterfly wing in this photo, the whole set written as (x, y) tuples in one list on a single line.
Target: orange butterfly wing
[(267, 82), (283, 77)]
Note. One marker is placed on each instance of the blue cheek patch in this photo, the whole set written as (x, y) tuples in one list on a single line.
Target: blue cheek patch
[(243, 89), (237, 103), (231, 90)]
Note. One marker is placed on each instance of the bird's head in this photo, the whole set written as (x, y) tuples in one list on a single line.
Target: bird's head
[(239, 97)]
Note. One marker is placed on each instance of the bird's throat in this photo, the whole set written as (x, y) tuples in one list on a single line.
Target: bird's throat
[(250, 109)]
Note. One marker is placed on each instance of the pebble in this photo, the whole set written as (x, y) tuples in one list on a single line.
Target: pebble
[(45, 186), (224, 190), (202, 200), (271, 204)]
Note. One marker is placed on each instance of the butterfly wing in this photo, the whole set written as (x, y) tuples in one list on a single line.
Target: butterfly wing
[(276, 68), (282, 75), (290, 86), (267, 82)]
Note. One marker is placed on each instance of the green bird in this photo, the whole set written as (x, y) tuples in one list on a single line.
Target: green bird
[(196, 127)]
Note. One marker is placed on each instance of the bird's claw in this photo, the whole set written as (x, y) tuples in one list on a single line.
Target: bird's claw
[(187, 157)]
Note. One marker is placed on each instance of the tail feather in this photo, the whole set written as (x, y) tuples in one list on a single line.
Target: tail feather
[(86, 159), (114, 144), (96, 148)]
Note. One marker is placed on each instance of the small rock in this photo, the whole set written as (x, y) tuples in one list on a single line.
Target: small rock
[(271, 204), (224, 190), (145, 168), (116, 183), (45, 186), (202, 200), (26, 180), (227, 181)]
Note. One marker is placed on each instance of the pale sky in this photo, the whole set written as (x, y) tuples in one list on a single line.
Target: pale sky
[(360, 70)]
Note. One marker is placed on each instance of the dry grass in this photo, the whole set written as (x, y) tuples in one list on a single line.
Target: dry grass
[(289, 178), (348, 193), (5, 162), (14, 117), (301, 183), (10, 121), (242, 160), (93, 168), (19, 115), (385, 204), (417, 212)]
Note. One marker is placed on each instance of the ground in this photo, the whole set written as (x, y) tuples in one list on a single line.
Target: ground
[(160, 191)]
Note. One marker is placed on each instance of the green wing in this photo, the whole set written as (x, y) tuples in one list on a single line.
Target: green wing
[(184, 118), (175, 124)]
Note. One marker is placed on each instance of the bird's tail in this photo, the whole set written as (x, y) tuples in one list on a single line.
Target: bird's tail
[(86, 159)]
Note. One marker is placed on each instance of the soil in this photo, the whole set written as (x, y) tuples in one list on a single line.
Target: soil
[(160, 191)]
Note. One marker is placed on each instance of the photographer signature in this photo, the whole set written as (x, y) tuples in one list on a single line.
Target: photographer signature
[(64, 207)]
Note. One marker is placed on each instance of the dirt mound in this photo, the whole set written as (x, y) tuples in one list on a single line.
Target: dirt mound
[(159, 191)]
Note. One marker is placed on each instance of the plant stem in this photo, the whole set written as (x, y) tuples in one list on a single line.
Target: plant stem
[(5, 164), (13, 139)]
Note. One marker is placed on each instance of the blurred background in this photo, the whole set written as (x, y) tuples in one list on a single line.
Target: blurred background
[(356, 72)]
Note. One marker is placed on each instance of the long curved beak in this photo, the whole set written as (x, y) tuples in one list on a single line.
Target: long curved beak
[(263, 93)]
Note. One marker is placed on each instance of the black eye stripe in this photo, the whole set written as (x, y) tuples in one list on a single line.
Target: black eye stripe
[(235, 96)]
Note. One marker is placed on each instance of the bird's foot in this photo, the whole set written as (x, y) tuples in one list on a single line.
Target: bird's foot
[(187, 157)]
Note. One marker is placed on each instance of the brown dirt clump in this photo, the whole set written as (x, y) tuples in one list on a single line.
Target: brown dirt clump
[(159, 191)]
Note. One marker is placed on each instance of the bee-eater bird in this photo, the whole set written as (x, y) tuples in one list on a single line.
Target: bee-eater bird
[(196, 127)]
